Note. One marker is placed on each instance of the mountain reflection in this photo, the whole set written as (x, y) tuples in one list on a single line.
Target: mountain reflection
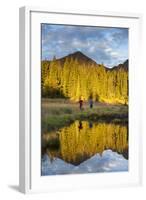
[(82, 140)]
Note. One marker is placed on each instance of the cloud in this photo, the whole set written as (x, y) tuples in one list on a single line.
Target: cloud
[(114, 54), (108, 49), (92, 49), (104, 45)]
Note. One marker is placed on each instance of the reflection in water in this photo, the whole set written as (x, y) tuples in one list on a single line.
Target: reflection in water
[(80, 125), (82, 141), (109, 162)]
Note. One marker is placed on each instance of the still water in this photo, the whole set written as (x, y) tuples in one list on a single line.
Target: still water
[(85, 147)]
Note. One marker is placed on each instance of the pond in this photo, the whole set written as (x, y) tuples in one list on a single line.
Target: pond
[(85, 147)]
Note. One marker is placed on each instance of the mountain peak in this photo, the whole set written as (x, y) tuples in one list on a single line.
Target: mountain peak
[(80, 57), (123, 65), (78, 53)]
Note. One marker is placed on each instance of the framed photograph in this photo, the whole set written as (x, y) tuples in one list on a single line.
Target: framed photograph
[(79, 100)]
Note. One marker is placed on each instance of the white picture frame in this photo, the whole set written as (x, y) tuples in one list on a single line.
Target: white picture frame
[(29, 160)]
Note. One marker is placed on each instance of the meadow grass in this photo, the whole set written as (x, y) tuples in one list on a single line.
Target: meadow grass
[(57, 113)]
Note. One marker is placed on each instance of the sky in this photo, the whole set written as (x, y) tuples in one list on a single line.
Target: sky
[(108, 46)]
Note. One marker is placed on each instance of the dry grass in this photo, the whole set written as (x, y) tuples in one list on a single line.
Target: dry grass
[(60, 112)]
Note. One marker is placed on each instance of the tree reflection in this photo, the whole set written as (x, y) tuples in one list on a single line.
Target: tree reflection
[(83, 139)]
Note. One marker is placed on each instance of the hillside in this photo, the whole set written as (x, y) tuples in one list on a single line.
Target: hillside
[(77, 76), (79, 56)]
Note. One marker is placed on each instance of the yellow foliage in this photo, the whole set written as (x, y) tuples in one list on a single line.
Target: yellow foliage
[(81, 140)]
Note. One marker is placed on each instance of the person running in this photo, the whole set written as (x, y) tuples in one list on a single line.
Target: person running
[(81, 104), (91, 102)]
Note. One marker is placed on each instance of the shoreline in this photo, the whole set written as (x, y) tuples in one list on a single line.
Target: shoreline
[(59, 113)]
